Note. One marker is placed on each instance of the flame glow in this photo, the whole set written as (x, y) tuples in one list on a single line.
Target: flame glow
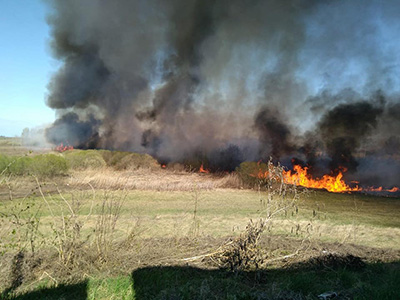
[(202, 170), (332, 183), (62, 148), (300, 176)]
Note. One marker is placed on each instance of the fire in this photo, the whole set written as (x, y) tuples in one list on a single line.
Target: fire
[(381, 189), (163, 166), (62, 148), (331, 183), (261, 174), (202, 170), (394, 190)]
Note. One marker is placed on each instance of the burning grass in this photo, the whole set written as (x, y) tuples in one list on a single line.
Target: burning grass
[(248, 174), (256, 174)]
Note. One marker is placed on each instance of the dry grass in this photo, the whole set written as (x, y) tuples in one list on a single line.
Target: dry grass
[(219, 213), (144, 179), (13, 146)]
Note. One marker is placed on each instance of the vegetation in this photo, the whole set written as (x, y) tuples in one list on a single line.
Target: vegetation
[(49, 165), (128, 160), (119, 226), (251, 173), (43, 165), (81, 160), (374, 281)]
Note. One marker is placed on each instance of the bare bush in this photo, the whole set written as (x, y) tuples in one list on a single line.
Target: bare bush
[(107, 218), (243, 252), (66, 228), (20, 222)]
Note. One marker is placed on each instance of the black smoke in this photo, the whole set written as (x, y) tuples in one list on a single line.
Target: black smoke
[(70, 130), (274, 133), (344, 128), (231, 80)]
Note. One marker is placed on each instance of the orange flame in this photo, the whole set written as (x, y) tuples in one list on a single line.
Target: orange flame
[(394, 190), (202, 170), (62, 148), (163, 166), (300, 176), (329, 182)]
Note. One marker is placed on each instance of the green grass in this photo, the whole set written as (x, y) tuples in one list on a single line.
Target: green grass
[(120, 160), (110, 288), (76, 291), (374, 281), (43, 165), (84, 159), (93, 289), (55, 164), (359, 208), (337, 209), (367, 220)]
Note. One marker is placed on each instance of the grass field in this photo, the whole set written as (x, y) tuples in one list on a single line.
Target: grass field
[(153, 233)]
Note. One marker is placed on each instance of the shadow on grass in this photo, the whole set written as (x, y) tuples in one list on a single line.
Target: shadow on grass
[(71, 291), (349, 277), (373, 281)]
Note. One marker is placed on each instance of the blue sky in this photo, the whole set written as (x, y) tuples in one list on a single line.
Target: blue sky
[(26, 66)]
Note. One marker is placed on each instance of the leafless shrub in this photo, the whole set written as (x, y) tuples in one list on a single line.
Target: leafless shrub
[(195, 228), (66, 228), (108, 216), (21, 227), (20, 222), (243, 252), (279, 199)]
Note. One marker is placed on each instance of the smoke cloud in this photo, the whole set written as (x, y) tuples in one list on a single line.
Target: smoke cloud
[(231, 80)]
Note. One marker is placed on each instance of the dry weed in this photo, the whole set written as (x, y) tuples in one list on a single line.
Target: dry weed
[(142, 179), (243, 252)]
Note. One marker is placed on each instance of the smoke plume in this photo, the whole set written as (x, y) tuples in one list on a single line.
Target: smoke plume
[(231, 80)]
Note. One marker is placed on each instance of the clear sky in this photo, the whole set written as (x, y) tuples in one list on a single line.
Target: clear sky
[(26, 66)]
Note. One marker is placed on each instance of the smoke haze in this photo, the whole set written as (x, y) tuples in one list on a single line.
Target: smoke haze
[(232, 80)]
